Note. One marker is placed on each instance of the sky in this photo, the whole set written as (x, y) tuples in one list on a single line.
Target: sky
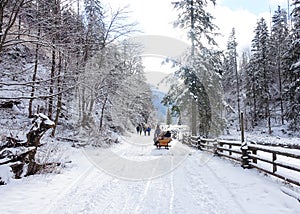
[(156, 17)]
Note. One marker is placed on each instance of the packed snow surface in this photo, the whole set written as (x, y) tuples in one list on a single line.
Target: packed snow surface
[(181, 180)]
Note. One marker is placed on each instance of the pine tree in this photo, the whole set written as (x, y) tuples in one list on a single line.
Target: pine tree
[(168, 117), (198, 70), (293, 74), (278, 47), (94, 28), (244, 80), (231, 71), (259, 72)]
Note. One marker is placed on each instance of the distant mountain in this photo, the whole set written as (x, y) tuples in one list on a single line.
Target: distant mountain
[(159, 88), (161, 110)]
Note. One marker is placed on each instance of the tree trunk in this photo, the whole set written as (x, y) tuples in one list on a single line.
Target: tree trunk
[(237, 88), (194, 116), (59, 98), (254, 119), (280, 91), (30, 113), (17, 5), (102, 112), (51, 89)]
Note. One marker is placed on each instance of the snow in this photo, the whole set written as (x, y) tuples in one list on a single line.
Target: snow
[(46, 119), (122, 182), (16, 109), (294, 152), (291, 193), (17, 151), (5, 173), (260, 136)]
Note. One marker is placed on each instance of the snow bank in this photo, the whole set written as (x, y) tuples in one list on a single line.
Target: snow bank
[(5, 174)]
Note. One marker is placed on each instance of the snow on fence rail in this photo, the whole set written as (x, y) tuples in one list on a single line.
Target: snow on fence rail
[(283, 163)]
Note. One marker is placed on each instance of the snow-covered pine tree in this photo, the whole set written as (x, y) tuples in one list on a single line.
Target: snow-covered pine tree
[(260, 74), (244, 80), (198, 70), (278, 47), (250, 93), (94, 27), (293, 74), (194, 17), (168, 117), (179, 98), (230, 75)]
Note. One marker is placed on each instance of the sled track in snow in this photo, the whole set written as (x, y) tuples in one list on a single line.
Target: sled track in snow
[(196, 184), (69, 189)]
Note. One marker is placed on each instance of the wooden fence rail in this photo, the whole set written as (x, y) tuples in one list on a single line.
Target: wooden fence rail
[(283, 163)]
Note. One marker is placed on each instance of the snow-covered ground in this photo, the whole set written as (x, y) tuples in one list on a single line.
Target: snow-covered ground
[(138, 178), (259, 136)]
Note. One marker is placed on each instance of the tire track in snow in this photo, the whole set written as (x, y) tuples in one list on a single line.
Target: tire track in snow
[(171, 188), (202, 196), (143, 196), (71, 187), (159, 192), (215, 179), (227, 189), (84, 197)]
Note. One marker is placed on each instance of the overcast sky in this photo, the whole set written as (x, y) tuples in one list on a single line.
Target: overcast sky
[(156, 17)]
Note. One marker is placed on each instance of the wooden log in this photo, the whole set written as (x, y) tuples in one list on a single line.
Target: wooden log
[(9, 104), (40, 126)]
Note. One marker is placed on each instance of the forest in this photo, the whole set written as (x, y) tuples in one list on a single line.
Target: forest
[(70, 62), (61, 58), (262, 82), (68, 71)]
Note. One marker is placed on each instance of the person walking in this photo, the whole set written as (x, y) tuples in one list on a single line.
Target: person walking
[(157, 133), (148, 130), (145, 130), (141, 129), (138, 129)]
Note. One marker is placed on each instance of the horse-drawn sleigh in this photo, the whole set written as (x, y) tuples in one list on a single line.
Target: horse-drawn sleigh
[(163, 143), (163, 140)]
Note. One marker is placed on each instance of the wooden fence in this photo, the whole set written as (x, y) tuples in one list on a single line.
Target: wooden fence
[(283, 163)]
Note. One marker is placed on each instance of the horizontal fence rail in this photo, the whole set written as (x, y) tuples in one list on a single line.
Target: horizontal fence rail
[(280, 162)]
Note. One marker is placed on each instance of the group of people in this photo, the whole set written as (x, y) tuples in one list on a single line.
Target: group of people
[(158, 133), (143, 128)]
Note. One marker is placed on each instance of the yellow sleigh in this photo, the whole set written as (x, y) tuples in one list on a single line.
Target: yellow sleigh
[(163, 142)]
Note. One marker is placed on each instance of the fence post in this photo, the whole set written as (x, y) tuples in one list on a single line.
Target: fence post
[(242, 128), (245, 156), (274, 158), (254, 152), (199, 143), (185, 139), (245, 150), (215, 144), (220, 146)]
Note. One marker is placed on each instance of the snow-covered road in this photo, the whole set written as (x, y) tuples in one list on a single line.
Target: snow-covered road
[(142, 179)]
